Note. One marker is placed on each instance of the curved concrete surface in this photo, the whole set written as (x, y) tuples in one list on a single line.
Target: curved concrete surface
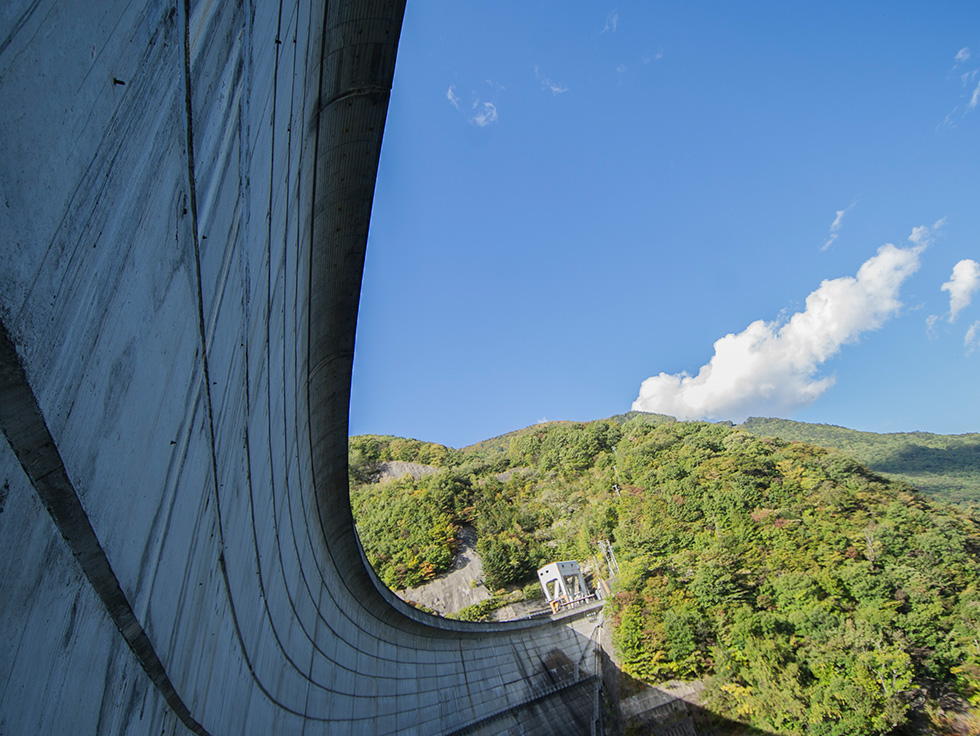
[(186, 194)]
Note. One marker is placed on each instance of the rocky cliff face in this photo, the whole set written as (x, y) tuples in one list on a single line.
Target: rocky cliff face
[(398, 468), (462, 586)]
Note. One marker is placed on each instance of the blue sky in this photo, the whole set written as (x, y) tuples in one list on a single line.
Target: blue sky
[(574, 198)]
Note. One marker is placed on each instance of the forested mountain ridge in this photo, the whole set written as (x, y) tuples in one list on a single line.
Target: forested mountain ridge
[(946, 467), (812, 595)]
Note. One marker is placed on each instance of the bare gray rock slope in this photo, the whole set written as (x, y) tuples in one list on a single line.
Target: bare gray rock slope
[(398, 468), (460, 587)]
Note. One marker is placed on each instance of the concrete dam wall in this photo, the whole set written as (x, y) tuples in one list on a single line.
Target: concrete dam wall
[(186, 191)]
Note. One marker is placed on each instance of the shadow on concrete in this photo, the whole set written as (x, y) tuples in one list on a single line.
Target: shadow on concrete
[(581, 690)]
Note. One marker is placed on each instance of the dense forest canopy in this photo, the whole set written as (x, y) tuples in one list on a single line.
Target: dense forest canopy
[(812, 595), (945, 467)]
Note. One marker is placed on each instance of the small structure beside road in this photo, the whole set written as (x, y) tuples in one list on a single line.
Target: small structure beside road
[(564, 585)]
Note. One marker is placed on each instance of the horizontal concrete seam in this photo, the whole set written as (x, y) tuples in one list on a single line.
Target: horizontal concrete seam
[(248, 662), (356, 92), (344, 354)]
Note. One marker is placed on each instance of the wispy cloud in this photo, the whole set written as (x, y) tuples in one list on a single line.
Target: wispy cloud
[(621, 75), (612, 22), (547, 83), (971, 340), (961, 286), (835, 226), (969, 90), (771, 367), (452, 96), (484, 113), (479, 112), (924, 234)]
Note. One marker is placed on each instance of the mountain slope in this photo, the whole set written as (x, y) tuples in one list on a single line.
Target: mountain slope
[(816, 596), (946, 467)]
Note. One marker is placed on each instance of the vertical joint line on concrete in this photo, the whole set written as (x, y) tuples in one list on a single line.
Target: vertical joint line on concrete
[(202, 330), (195, 236)]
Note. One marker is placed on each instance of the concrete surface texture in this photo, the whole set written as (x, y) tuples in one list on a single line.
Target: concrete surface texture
[(186, 189)]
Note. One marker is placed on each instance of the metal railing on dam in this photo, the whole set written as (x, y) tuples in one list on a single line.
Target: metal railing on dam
[(186, 191)]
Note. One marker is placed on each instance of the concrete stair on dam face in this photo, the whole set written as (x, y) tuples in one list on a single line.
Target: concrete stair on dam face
[(187, 189)]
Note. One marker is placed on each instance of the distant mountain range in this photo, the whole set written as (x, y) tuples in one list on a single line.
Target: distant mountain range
[(809, 593), (943, 466)]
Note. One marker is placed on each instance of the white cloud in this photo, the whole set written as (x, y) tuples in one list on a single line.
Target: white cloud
[(968, 99), (931, 325), (835, 226), (961, 286), (923, 235), (486, 113), (479, 112), (621, 75), (546, 83), (770, 368), (451, 96), (972, 338), (612, 21)]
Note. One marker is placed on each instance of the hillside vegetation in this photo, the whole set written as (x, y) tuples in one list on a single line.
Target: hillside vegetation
[(946, 467), (812, 595)]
